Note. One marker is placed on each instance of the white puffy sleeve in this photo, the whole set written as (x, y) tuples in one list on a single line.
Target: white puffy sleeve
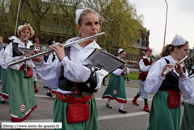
[(186, 87), (117, 72), (49, 72), (76, 72), (9, 57), (143, 67), (154, 78)]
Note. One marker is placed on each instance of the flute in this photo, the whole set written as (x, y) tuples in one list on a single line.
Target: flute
[(28, 57), (169, 69)]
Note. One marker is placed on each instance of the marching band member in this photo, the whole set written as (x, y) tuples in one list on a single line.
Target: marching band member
[(3, 65), (1, 41), (116, 86), (20, 89), (145, 64), (3, 70), (166, 109), (69, 71), (188, 114), (36, 43)]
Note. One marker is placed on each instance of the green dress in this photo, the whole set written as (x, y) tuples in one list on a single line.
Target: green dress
[(60, 110), (161, 117), (0, 75), (188, 117), (21, 94), (4, 90), (116, 89)]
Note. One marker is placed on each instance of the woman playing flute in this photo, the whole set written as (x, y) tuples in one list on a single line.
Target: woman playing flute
[(166, 109), (69, 71), (20, 89)]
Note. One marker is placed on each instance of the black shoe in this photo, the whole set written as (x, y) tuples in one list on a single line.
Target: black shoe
[(122, 111), (49, 94), (104, 84), (45, 86), (3, 101), (108, 105), (36, 91)]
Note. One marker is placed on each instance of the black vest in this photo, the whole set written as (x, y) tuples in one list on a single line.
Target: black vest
[(16, 51), (171, 81), (67, 85)]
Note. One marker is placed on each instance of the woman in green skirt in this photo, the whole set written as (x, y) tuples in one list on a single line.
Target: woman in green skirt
[(116, 86), (76, 80), (188, 114), (168, 82), (4, 91), (20, 89)]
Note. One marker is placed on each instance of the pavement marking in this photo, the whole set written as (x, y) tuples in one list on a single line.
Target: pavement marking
[(95, 98), (122, 115), (126, 85), (132, 86), (43, 96), (99, 118), (127, 99)]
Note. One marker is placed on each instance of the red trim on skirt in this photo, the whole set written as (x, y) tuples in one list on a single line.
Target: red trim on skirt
[(13, 119), (114, 98), (4, 96)]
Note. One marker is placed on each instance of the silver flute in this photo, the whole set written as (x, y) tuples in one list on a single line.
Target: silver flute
[(28, 57), (169, 69)]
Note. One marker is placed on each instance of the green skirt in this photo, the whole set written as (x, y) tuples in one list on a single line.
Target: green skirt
[(60, 110), (161, 117), (116, 89), (188, 117), (21, 94), (0, 75), (4, 90)]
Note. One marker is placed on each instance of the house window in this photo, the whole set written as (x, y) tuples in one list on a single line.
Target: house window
[(140, 41), (133, 57)]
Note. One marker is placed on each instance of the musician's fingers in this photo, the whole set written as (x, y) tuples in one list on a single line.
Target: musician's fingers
[(36, 51), (37, 59), (61, 45), (53, 48)]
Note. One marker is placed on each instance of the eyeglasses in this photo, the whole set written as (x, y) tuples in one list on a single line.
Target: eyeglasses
[(26, 32)]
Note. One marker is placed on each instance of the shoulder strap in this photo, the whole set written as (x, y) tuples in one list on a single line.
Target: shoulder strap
[(67, 52), (32, 47), (167, 61), (53, 56), (15, 50)]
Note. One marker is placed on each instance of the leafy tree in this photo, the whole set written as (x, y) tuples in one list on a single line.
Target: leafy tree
[(122, 25), (189, 62)]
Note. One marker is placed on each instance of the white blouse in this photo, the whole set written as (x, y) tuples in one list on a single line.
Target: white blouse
[(2, 60), (154, 79), (190, 101), (9, 55), (74, 69), (118, 72), (142, 65)]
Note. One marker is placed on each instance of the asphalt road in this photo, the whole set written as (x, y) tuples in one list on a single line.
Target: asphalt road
[(109, 119)]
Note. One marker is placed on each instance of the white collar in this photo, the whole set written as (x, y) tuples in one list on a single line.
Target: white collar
[(19, 41), (170, 58), (146, 57)]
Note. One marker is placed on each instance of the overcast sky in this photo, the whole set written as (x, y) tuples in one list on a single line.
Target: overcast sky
[(180, 20)]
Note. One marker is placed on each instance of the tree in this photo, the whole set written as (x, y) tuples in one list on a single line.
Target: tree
[(57, 17), (189, 62)]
